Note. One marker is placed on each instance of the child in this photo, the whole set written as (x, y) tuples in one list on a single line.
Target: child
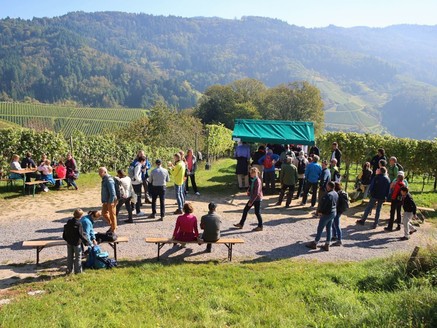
[(73, 235), (46, 174), (61, 173), (409, 212)]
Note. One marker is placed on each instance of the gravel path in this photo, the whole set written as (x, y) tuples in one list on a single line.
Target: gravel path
[(285, 232)]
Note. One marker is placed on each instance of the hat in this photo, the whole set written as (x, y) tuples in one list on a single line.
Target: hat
[(158, 162), (401, 173)]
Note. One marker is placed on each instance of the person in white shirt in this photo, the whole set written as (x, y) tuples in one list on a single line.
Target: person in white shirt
[(125, 194)]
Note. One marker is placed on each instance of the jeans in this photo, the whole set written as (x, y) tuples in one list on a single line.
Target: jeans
[(127, 202), (369, 208), (300, 187), (158, 191), (336, 230), (74, 258), (191, 177), (325, 221), (71, 182), (269, 178), (109, 213), (137, 189), (289, 196), (306, 189), (257, 205), (395, 208), (180, 195)]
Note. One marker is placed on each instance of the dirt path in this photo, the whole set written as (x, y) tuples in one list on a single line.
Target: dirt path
[(285, 231)]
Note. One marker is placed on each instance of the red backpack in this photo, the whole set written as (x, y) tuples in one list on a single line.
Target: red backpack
[(268, 162)]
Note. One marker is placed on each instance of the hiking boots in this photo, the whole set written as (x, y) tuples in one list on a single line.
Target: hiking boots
[(238, 226), (312, 245), (325, 247), (337, 243), (258, 229)]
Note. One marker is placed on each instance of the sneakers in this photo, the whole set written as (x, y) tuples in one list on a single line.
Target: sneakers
[(360, 222), (387, 229), (197, 193), (337, 243), (178, 211), (325, 247), (312, 245), (151, 216), (398, 227), (141, 213), (161, 218), (239, 226), (258, 229), (46, 189)]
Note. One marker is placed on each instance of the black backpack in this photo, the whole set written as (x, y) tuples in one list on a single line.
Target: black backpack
[(400, 167), (343, 202), (106, 237), (301, 166), (71, 232)]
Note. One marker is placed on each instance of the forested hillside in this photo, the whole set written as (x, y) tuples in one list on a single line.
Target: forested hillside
[(371, 80)]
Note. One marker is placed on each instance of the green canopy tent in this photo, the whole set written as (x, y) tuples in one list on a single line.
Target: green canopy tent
[(275, 132)]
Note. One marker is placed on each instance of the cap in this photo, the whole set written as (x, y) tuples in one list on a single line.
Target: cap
[(401, 173)]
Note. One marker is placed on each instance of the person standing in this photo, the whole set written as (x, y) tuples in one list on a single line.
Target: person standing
[(325, 177), (255, 193), (136, 176), (392, 168), (288, 178), (74, 235), (409, 213), (333, 169), (312, 177), (242, 155), (379, 190), (314, 150), (191, 161), (336, 154), (328, 209), (72, 171), (210, 224), (255, 159), (124, 191), (109, 199), (396, 203), (342, 206), (301, 163), (375, 160), (178, 175), (268, 161), (158, 179)]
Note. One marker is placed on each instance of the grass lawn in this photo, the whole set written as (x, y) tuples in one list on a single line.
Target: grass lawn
[(377, 293)]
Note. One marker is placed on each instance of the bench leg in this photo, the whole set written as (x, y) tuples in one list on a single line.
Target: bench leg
[(38, 250), (229, 246), (114, 247), (160, 245)]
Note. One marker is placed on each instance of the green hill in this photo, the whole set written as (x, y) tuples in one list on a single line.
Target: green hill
[(113, 59)]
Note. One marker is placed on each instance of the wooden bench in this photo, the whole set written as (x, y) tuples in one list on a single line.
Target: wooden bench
[(38, 182), (39, 245), (228, 242)]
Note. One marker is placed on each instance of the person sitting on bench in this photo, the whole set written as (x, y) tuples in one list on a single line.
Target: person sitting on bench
[(186, 226), (210, 224)]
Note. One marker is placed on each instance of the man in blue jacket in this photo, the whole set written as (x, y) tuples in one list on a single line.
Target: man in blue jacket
[(268, 161), (312, 175), (109, 199), (379, 190)]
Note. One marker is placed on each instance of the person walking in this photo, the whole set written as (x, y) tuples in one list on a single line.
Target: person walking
[(178, 175), (396, 203), (125, 193), (410, 209), (379, 190), (136, 175), (210, 224), (72, 171), (342, 206), (268, 161), (242, 155), (325, 177), (109, 199), (301, 163), (288, 179), (312, 177), (158, 179), (191, 162), (255, 194)]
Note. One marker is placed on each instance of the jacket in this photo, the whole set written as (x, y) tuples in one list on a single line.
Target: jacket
[(397, 190), (337, 155), (325, 177), (210, 224), (288, 175), (274, 157), (375, 163), (255, 190), (408, 204), (88, 228), (328, 203), (138, 173), (366, 177), (313, 172), (392, 172), (108, 189), (380, 186), (73, 233), (178, 173)]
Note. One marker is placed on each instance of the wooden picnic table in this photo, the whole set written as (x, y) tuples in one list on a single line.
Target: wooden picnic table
[(23, 173)]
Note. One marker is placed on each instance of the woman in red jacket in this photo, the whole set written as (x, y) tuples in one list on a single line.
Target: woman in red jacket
[(186, 225), (255, 193), (396, 203)]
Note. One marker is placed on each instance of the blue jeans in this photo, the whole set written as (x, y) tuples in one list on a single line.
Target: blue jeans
[(325, 221), (74, 258), (336, 230), (369, 208), (180, 195)]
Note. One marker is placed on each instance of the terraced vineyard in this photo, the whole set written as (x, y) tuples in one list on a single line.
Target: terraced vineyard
[(66, 119)]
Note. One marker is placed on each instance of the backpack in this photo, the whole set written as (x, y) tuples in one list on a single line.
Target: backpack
[(106, 237), (400, 167), (268, 162), (71, 232), (99, 260), (131, 170), (301, 166), (343, 202), (120, 191)]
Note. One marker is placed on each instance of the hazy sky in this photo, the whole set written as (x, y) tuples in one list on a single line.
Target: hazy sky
[(309, 13)]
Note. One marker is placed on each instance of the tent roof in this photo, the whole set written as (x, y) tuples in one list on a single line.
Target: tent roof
[(276, 132)]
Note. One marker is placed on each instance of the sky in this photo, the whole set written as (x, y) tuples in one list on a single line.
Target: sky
[(308, 13)]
